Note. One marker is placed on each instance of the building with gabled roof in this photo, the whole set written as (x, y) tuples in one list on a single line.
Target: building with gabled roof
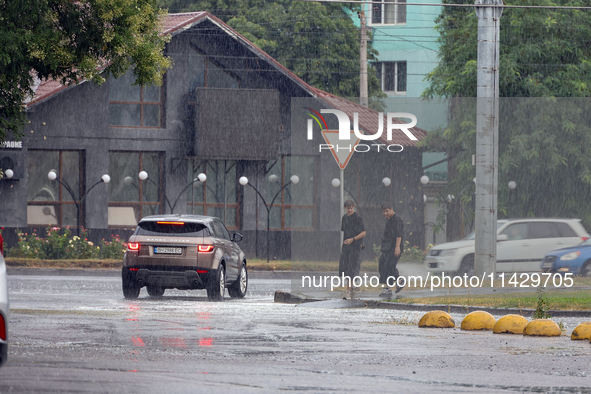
[(225, 110)]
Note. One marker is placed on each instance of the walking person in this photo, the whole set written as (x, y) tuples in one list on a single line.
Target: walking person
[(353, 231), (392, 245)]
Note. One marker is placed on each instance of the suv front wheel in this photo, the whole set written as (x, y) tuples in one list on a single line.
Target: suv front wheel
[(467, 266), (238, 288), (216, 286)]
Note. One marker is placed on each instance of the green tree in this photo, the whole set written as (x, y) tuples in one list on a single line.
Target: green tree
[(72, 41), (544, 143), (318, 42)]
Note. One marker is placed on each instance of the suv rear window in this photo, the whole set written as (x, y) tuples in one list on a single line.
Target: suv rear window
[(543, 230), (565, 230), (186, 229)]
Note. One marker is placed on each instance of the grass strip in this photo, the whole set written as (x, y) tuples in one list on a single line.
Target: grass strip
[(576, 300)]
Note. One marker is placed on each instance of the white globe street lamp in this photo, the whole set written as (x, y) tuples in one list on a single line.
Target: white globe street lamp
[(52, 175)]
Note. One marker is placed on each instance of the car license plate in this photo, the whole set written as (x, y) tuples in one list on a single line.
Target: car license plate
[(161, 250)]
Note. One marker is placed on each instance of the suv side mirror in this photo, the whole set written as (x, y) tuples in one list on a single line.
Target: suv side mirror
[(237, 237), (502, 237)]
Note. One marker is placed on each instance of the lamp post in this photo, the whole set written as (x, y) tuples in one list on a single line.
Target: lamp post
[(512, 185), (244, 181), (52, 175), (143, 175)]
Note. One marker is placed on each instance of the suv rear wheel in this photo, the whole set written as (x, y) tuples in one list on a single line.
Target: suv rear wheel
[(131, 289), (238, 288), (216, 286)]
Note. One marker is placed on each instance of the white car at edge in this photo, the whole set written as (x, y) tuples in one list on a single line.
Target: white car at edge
[(521, 246)]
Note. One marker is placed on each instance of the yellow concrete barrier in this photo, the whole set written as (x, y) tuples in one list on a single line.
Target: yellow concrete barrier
[(478, 320), (583, 331), (439, 319), (542, 328), (510, 324)]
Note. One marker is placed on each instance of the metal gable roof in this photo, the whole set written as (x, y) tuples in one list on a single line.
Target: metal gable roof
[(178, 23)]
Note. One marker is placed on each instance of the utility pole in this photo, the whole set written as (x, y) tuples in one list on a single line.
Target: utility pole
[(487, 135), (363, 91)]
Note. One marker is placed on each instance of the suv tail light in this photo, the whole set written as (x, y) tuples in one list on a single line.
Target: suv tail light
[(584, 238), (133, 246), (2, 328), (205, 248)]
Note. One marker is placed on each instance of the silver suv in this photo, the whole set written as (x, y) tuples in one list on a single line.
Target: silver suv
[(521, 245), (184, 252)]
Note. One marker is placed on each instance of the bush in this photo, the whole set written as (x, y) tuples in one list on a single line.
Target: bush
[(28, 246), (55, 245), (81, 247), (113, 249), (60, 244)]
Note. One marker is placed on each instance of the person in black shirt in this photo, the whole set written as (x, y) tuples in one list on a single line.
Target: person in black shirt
[(392, 245), (354, 230)]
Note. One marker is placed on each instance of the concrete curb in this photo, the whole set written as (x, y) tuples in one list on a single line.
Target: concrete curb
[(288, 298)]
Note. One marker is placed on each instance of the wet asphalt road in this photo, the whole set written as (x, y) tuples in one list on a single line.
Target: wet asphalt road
[(78, 334)]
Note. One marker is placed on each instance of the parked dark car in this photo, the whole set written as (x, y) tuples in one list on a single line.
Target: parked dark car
[(185, 252)]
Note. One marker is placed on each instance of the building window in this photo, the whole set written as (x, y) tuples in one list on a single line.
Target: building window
[(218, 195), (389, 12), (295, 206), (392, 76), (134, 106), (48, 202), (130, 198)]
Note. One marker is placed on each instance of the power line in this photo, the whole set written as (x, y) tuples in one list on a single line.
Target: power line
[(451, 5)]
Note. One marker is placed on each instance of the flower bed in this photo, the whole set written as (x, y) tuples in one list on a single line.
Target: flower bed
[(60, 244)]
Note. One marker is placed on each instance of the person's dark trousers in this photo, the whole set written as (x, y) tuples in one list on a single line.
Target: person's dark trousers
[(349, 263), (387, 267)]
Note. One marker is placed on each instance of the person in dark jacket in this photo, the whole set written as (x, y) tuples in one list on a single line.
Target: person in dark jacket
[(353, 231), (392, 245)]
